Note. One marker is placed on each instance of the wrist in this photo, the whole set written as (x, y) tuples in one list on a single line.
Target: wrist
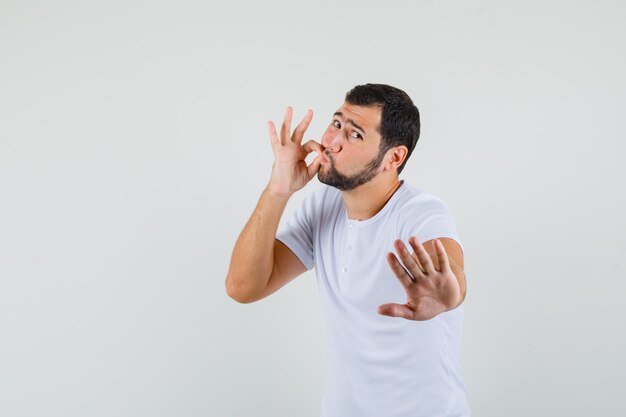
[(276, 193)]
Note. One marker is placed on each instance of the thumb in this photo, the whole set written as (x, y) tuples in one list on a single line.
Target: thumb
[(396, 310), (315, 166)]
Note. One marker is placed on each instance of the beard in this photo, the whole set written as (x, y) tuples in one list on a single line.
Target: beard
[(343, 182)]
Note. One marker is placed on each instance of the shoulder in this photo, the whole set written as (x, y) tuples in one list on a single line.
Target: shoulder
[(415, 201), (424, 215)]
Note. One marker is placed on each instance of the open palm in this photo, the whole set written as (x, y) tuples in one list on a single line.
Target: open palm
[(430, 291)]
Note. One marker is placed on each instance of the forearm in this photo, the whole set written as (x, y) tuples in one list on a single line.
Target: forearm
[(252, 259)]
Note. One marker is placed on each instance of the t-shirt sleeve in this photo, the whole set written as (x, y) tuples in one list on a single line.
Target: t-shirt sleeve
[(297, 232), (428, 219)]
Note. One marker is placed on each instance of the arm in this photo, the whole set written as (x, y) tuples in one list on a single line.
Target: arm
[(260, 264), (252, 260)]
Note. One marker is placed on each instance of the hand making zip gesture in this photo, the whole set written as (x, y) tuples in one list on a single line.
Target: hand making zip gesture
[(430, 290), (290, 172)]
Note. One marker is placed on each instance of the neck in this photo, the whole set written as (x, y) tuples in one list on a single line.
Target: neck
[(365, 201)]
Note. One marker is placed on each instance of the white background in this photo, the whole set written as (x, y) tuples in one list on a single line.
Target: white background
[(133, 149)]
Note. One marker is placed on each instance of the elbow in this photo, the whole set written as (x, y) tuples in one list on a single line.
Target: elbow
[(241, 299), (234, 292)]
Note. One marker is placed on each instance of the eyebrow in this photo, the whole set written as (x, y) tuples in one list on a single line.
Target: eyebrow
[(340, 114)]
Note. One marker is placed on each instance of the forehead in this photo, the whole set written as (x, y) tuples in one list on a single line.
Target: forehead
[(368, 117)]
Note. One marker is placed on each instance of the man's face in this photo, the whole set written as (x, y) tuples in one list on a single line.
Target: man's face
[(352, 145)]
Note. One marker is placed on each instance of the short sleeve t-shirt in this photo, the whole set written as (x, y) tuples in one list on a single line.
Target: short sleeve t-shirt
[(378, 365)]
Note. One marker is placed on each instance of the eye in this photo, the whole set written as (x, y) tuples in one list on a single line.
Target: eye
[(355, 134)]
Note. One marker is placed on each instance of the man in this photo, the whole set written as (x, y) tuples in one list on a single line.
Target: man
[(383, 359)]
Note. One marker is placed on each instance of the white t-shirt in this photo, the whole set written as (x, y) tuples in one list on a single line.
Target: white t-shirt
[(378, 366)]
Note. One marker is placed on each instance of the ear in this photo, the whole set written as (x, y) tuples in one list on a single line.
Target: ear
[(395, 157)]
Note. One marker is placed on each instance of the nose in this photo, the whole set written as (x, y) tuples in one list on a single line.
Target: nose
[(333, 142)]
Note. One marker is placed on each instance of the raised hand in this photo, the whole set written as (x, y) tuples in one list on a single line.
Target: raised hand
[(430, 290), (290, 172)]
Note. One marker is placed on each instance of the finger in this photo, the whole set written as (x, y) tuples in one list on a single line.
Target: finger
[(273, 135), (422, 255), (396, 310), (403, 276), (285, 130), (315, 166), (312, 146), (409, 261), (444, 262), (298, 133)]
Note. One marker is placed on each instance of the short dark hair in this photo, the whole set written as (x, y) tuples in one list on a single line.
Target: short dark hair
[(400, 118)]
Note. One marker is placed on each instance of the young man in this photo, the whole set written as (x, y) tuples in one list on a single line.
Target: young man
[(383, 359)]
